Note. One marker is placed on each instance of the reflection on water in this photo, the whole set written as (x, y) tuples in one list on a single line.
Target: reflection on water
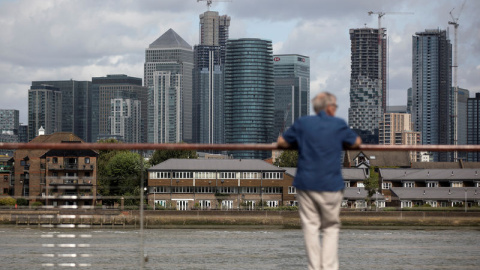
[(232, 248)]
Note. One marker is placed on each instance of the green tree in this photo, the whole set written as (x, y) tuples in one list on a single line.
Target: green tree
[(371, 184), (104, 157), (160, 156), (123, 171), (288, 158)]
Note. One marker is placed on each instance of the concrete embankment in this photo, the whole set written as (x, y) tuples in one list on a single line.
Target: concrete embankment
[(281, 219)]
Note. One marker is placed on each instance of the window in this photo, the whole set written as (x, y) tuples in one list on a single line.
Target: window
[(386, 185), (273, 175), (250, 190), (204, 189), (292, 190), (161, 203), (250, 175), (183, 175), (227, 190), (432, 184), (87, 160), (182, 189), (406, 204), (161, 189), (432, 203), (272, 190), (456, 184), (227, 175), (205, 175), (204, 204), (272, 203), (408, 184), (55, 160), (346, 183), (227, 204)]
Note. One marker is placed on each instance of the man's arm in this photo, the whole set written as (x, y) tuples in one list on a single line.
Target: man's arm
[(281, 143), (357, 143)]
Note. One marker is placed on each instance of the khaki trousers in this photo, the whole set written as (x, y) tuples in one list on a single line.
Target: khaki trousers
[(320, 212)]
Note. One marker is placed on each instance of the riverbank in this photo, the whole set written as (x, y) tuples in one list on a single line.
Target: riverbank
[(280, 219)]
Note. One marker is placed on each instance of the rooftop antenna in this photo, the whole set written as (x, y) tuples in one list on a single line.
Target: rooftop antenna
[(455, 24), (209, 2)]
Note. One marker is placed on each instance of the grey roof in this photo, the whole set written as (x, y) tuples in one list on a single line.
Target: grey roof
[(353, 174), (439, 193), (433, 174), (381, 158), (355, 193), (247, 165), (169, 40), (291, 171), (348, 174), (445, 165)]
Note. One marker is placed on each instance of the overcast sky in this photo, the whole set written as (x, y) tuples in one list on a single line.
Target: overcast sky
[(81, 39)]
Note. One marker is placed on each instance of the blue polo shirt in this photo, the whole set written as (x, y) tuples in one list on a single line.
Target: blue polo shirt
[(320, 140)]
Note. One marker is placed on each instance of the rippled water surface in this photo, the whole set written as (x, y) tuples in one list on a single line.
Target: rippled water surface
[(232, 248)]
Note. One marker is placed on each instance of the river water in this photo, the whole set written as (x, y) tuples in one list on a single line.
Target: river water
[(231, 248)]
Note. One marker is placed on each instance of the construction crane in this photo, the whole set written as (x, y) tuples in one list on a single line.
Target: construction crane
[(209, 2), (380, 32), (455, 24)]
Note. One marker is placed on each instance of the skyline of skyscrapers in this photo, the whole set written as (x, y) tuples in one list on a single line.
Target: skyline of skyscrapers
[(168, 77), (368, 81), (249, 94), (432, 107)]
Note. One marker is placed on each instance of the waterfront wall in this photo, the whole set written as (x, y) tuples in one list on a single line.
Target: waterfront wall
[(282, 219)]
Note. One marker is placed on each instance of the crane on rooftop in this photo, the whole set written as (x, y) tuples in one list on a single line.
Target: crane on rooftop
[(209, 2), (380, 34), (455, 24)]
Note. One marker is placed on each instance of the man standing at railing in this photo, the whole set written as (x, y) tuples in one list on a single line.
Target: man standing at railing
[(320, 140)]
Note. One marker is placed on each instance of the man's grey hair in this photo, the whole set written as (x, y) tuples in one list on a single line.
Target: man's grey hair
[(322, 100)]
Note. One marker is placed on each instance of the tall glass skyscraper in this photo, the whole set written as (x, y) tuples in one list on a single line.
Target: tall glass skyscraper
[(292, 89), (168, 76), (76, 106), (208, 84), (249, 94), (44, 110), (432, 92), (368, 81)]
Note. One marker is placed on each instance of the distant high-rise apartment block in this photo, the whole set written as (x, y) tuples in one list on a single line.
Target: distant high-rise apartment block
[(118, 102), (208, 83), (473, 126), (368, 81), (409, 100), (76, 106), (292, 89), (432, 106), (249, 94), (23, 133), (168, 77), (397, 129), (44, 110)]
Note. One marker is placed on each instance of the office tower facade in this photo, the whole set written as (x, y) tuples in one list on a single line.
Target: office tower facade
[(292, 89), (208, 83), (23, 133), (168, 76), (397, 129), (76, 106), (44, 110), (462, 101), (368, 81), (432, 107), (9, 126), (473, 126), (249, 94), (409, 100), (107, 119)]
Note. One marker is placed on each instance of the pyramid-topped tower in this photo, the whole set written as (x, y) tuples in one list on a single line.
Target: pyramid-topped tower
[(170, 39)]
